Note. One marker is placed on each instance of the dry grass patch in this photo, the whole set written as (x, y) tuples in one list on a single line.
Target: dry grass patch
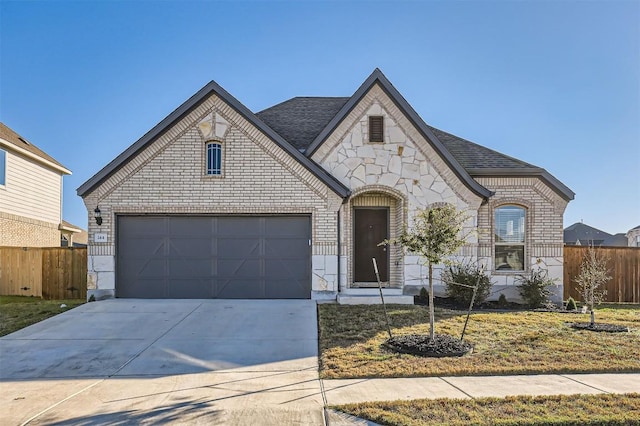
[(504, 343), (601, 409), (17, 312)]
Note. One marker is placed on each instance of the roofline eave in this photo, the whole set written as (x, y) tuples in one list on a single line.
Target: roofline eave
[(186, 108), (561, 189)]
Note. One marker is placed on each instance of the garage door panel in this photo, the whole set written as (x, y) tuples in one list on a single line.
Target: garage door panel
[(288, 268), (143, 226), (210, 256), (137, 246), (238, 288), (144, 288), (238, 227), (229, 248), (190, 227), (238, 268), (190, 289), (285, 289), (189, 267), (183, 246), (142, 267), (286, 227), (285, 248)]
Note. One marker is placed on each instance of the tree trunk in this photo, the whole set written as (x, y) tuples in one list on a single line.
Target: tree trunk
[(432, 333)]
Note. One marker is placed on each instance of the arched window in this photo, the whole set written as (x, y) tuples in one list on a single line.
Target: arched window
[(510, 233), (214, 158)]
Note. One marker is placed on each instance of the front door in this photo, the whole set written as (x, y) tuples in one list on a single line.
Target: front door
[(371, 227)]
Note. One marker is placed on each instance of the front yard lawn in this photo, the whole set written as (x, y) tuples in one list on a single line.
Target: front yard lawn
[(522, 342), (17, 312), (600, 409)]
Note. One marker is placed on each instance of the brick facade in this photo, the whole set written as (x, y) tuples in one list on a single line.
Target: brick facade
[(20, 231)]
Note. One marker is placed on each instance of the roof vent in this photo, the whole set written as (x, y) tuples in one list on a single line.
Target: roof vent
[(27, 143)]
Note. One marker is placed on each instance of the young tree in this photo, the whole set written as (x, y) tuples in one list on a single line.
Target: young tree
[(594, 274), (436, 235)]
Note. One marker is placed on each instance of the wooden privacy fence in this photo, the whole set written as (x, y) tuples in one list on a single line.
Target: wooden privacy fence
[(624, 268), (47, 272)]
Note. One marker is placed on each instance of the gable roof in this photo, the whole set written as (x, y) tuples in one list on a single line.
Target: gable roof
[(11, 139), (183, 110), (377, 77), (585, 234)]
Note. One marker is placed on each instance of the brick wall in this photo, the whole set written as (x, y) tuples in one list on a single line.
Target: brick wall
[(19, 231)]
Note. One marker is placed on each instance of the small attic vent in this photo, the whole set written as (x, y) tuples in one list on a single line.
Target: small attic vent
[(376, 127), (25, 142)]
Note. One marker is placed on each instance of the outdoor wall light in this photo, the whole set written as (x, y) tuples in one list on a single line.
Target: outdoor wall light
[(97, 215)]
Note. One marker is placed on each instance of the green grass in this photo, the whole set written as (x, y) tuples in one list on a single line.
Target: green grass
[(17, 312), (600, 409), (523, 342)]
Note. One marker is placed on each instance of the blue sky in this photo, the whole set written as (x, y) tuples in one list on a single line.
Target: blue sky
[(553, 83)]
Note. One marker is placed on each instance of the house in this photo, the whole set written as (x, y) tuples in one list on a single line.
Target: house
[(291, 202), (580, 234), (30, 194), (633, 237)]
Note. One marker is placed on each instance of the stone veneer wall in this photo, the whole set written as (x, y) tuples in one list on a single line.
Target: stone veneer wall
[(168, 177), (20, 231), (404, 172)]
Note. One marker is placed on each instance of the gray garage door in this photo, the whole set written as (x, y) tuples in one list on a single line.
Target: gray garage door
[(231, 257)]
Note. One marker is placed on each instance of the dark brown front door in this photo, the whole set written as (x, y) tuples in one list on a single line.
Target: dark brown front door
[(371, 227)]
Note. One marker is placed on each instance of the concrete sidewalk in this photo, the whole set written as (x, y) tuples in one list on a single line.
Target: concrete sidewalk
[(347, 391)]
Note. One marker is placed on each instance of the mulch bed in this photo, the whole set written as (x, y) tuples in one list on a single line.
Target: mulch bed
[(441, 346), (599, 326)]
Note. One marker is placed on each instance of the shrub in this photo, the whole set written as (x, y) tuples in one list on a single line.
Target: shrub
[(502, 301), (423, 296), (468, 275), (535, 288), (571, 305)]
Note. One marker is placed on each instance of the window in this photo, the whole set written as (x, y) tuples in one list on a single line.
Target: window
[(376, 129), (3, 167), (637, 240), (509, 238), (214, 158)]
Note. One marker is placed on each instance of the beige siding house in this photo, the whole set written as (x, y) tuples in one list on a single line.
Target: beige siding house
[(219, 202), (30, 193)]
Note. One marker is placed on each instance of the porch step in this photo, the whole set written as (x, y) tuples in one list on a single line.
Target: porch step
[(370, 299)]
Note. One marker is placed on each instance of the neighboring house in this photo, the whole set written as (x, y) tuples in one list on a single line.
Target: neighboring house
[(580, 234), (291, 202), (72, 235), (633, 237), (30, 194)]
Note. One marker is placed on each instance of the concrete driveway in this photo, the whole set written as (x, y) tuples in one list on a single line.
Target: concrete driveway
[(131, 361)]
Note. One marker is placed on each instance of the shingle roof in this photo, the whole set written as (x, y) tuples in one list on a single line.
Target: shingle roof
[(299, 120), (473, 156), (18, 141), (583, 233)]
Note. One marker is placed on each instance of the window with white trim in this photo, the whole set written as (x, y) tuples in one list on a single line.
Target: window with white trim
[(510, 237), (3, 167), (214, 159)]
